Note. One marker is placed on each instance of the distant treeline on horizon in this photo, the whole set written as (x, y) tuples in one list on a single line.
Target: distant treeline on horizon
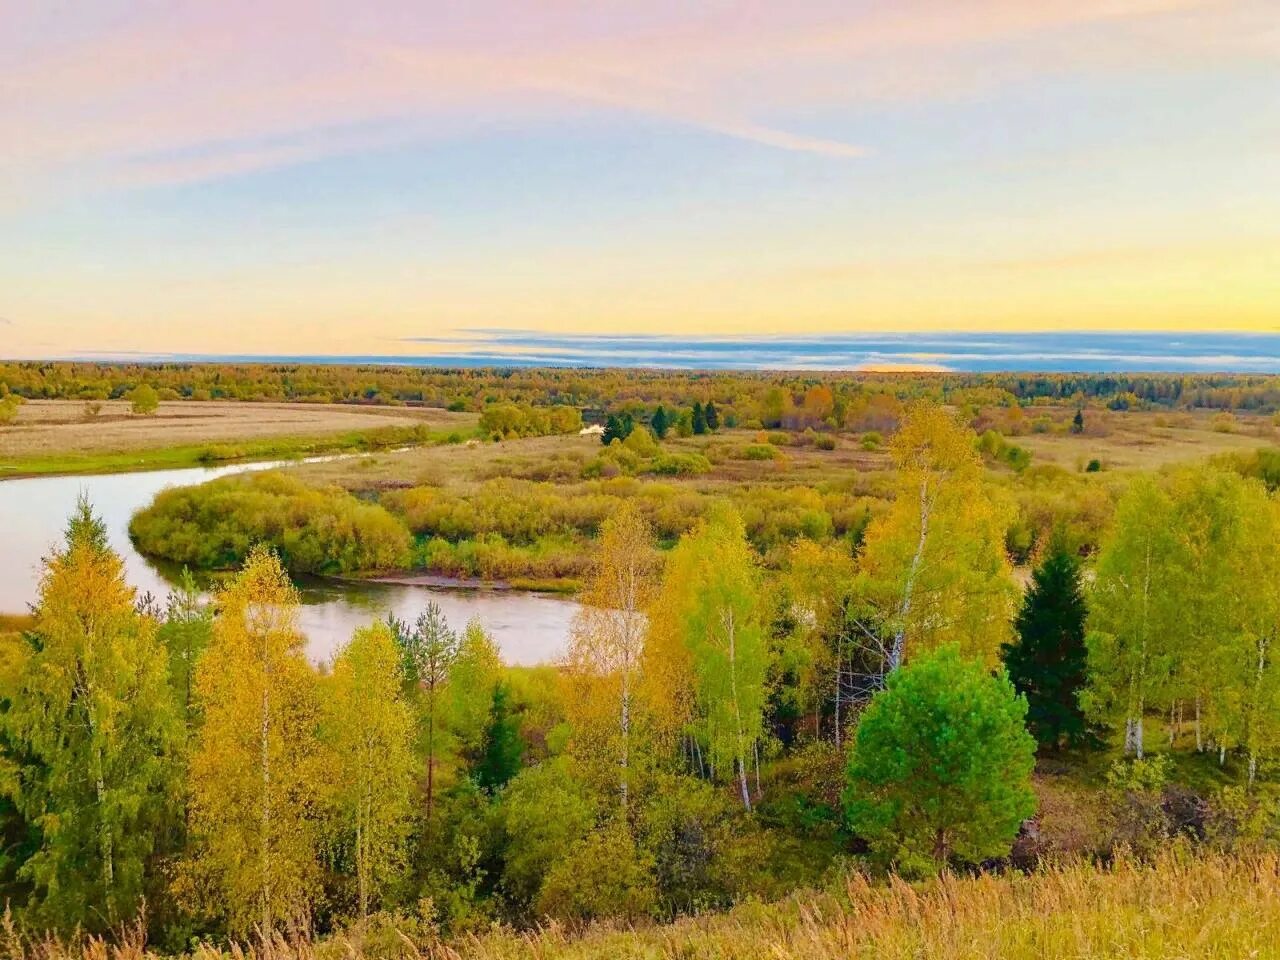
[(618, 389)]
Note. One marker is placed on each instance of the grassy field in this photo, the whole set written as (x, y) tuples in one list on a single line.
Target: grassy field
[(60, 436), (1120, 441), (1150, 440), (1176, 908)]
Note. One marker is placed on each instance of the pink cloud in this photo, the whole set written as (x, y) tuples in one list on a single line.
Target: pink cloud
[(137, 93)]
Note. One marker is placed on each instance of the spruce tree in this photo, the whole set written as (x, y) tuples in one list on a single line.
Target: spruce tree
[(612, 430), (712, 416), (699, 418), (659, 423), (1047, 661), (1077, 422), (503, 749)]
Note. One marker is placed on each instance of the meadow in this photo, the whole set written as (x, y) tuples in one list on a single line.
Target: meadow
[(63, 436)]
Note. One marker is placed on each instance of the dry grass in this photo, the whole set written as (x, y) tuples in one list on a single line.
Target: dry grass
[(47, 428), (1219, 908), (1178, 908), (1149, 440), (541, 457)]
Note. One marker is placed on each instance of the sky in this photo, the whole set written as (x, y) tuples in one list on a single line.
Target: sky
[(287, 177)]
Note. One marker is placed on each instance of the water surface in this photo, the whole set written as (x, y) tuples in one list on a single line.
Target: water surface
[(529, 628)]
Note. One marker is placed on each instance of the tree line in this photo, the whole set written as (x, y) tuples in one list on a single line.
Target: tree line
[(775, 399)]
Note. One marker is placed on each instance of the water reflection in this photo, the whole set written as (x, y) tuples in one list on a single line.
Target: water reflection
[(529, 628)]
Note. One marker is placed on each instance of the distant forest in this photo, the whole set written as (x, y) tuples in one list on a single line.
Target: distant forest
[(743, 394)]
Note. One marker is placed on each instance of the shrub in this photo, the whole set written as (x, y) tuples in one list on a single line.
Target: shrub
[(144, 400), (757, 451), (9, 408)]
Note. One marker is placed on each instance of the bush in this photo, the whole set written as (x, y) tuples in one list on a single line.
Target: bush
[(144, 400), (9, 408), (871, 440), (602, 875), (757, 451)]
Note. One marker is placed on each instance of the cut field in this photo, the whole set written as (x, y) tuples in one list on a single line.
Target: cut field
[(60, 436)]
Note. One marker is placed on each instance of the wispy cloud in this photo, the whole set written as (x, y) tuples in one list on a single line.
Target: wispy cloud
[(1068, 350), (187, 92)]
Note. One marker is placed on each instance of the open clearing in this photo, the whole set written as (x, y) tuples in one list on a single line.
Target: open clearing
[(1149, 440), (62, 435)]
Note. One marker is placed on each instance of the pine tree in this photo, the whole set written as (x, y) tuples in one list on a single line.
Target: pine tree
[(428, 651), (659, 423), (712, 416), (940, 767), (699, 418), (1048, 659), (1077, 422), (95, 735)]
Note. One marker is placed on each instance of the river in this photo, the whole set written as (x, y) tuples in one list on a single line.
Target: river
[(528, 627)]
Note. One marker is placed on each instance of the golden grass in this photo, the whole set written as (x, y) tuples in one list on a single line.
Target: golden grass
[(1149, 440), (460, 464), (1177, 908), (51, 428), (1212, 908)]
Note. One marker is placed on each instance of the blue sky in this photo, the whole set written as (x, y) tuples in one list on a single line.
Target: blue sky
[(322, 178)]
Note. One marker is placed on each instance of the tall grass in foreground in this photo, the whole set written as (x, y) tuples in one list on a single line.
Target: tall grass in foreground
[(1177, 907)]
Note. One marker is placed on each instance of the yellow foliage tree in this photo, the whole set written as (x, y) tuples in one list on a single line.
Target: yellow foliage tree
[(934, 565), (606, 646), (253, 773), (369, 768)]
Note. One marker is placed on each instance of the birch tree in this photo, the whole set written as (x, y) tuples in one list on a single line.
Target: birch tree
[(820, 579), (1244, 696), (720, 610), (253, 776), (95, 736), (368, 760), (1134, 609), (933, 567), (606, 645), (476, 671), (1207, 579)]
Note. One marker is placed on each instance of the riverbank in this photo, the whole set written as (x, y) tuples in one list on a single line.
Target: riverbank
[(438, 581)]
